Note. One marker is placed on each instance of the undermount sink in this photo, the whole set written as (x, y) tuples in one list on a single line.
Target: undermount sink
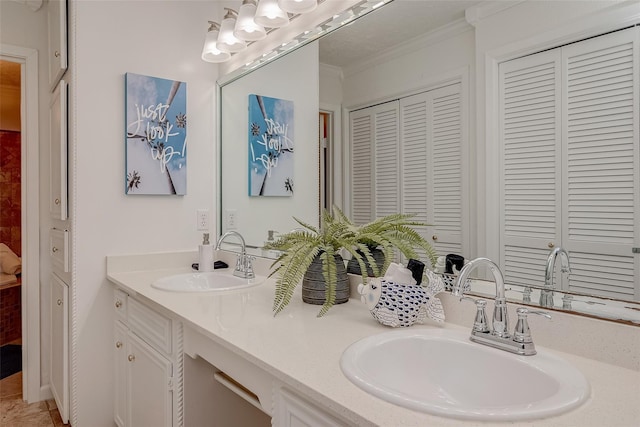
[(443, 373), (220, 280)]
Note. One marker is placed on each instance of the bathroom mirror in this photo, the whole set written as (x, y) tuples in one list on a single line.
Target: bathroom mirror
[(335, 48)]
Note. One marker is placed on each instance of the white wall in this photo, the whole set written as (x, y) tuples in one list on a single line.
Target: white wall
[(276, 80), (416, 65), (109, 38)]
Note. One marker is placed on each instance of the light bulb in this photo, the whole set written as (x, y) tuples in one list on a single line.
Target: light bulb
[(246, 28), (269, 15), (227, 42), (210, 51)]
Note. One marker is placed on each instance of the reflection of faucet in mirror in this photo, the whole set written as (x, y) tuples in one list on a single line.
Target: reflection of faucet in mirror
[(244, 268), (546, 293), (521, 343)]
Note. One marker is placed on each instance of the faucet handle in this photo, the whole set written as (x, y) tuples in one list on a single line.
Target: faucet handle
[(522, 333), (480, 323)]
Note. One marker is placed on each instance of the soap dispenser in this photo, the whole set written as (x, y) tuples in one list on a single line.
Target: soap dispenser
[(270, 239), (205, 254)]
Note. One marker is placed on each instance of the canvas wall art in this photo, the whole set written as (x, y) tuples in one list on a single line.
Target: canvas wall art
[(156, 135), (270, 146)]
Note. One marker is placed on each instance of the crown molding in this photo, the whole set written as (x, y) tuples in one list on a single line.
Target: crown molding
[(438, 35), (477, 13)]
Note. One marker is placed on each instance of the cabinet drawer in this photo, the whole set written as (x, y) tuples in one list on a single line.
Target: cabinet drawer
[(152, 327), (120, 304), (59, 250)]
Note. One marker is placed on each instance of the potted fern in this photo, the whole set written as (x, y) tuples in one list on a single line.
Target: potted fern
[(311, 255), (385, 235)]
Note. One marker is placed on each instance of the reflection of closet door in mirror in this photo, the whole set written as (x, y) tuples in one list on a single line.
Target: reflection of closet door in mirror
[(58, 152), (57, 22)]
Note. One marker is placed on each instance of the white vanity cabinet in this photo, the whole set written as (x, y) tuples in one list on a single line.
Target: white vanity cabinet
[(59, 325), (148, 365)]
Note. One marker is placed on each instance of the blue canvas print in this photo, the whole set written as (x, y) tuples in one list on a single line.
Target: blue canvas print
[(156, 135), (270, 146)]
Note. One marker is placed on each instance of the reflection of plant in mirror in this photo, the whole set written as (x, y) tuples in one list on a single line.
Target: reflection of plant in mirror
[(301, 247)]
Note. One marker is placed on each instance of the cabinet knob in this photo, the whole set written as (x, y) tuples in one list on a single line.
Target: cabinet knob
[(131, 358), (118, 344), (56, 201), (59, 302), (551, 245), (54, 249), (434, 238), (57, 54), (118, 303)]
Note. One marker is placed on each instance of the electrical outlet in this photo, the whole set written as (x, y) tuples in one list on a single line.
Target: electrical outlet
[(231, 219), (202, 219)]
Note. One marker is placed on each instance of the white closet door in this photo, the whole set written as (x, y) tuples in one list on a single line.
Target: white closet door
[(431, 126), (361, 166), (530, 117), (375, 162), (386, 140), (415, 112), (447, 171), (601, 179)]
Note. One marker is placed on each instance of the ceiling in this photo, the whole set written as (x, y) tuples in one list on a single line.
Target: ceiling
[(390, 25)]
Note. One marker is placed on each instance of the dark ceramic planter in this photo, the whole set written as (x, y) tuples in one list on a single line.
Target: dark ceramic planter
[(314, 285), (354, 268)]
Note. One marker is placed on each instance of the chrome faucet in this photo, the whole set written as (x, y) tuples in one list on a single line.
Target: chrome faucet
[(546, 293), (521, 342), (244, 268)]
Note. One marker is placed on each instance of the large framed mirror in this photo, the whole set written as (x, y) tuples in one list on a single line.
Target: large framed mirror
[(319, 79)]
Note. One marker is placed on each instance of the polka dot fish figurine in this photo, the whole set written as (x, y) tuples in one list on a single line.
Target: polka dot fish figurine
[(396, 300)]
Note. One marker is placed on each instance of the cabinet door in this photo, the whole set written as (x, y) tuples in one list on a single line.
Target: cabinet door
[(120, 368), (57, 21), (60, 345), (58, 154), (149, 385), (292, 411)]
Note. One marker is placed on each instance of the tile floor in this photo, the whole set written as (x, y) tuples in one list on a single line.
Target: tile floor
[(15, 412)]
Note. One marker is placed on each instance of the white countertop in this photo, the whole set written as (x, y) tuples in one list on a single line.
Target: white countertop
[(303, 350)]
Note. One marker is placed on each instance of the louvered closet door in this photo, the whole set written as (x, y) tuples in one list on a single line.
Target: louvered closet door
[(601, 179), (530, 163), (432, 170), (375, 162), (447, 172)]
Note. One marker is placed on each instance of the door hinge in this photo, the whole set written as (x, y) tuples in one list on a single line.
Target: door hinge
[(635, 250)]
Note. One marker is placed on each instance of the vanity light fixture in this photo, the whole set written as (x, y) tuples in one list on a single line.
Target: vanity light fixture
[(297, 6), (246, 28), (210, 51), (269, 14), (227, 42)]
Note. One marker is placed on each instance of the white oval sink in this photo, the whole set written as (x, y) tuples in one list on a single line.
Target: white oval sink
[(205, 282), (441, 372)]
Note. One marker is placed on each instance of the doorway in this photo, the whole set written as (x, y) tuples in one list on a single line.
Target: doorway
[(326, 164), (28, 194)]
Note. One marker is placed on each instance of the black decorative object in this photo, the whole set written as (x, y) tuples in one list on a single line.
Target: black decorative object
[(417, 269), (453, 260)]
